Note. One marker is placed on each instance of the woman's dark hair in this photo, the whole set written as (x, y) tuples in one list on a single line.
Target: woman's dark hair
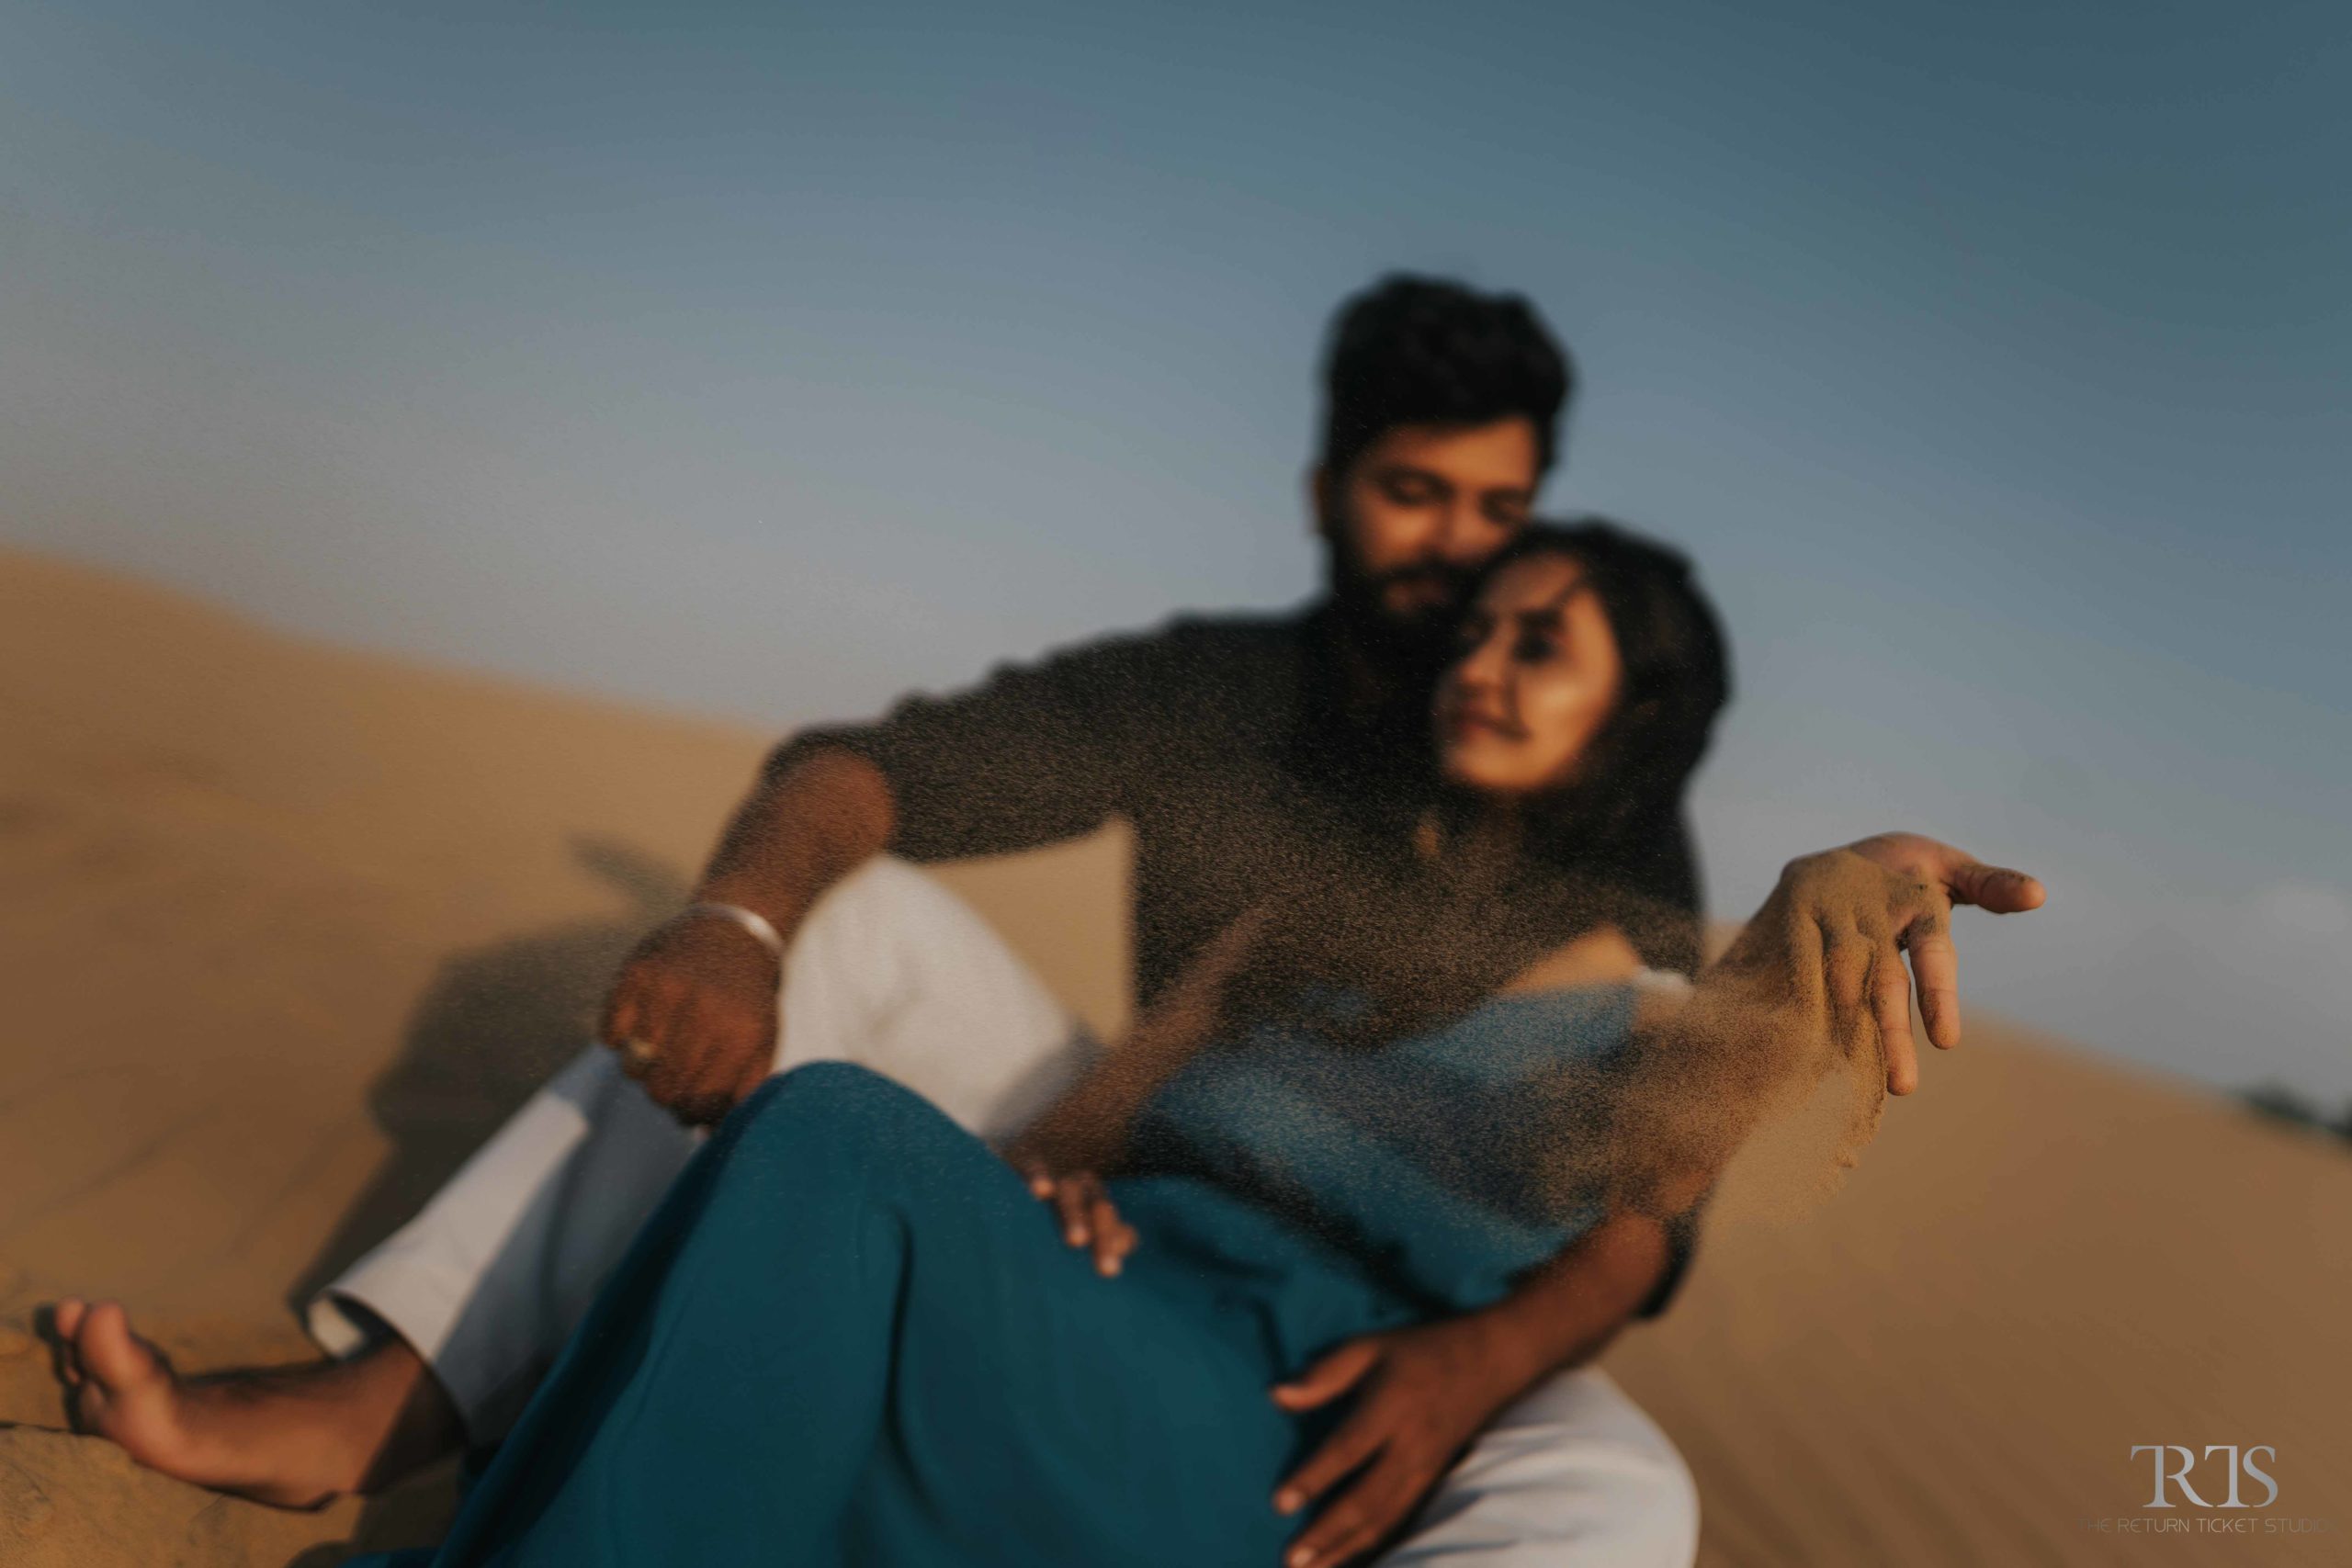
[(1427, 351), (1422, 938), (1676, 678)]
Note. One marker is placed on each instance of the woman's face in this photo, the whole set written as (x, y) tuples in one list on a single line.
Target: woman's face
[(1538, 676)]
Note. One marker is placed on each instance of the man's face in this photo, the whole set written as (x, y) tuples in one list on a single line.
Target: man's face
[(1417, 513)]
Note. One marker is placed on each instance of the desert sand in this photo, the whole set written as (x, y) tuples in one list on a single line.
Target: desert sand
[(285, 929)]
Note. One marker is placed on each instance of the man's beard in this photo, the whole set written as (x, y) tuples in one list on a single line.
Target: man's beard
[(1410, 646)]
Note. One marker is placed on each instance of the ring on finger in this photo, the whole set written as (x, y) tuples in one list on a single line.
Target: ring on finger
[(639, 1055)]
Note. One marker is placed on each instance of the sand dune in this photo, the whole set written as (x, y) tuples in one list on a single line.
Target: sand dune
[(284, 929)]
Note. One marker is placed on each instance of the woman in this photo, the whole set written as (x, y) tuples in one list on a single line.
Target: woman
[(851, 1335)]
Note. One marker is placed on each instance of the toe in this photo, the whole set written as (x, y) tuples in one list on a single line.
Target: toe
[(111, 1353), (65, 1319)]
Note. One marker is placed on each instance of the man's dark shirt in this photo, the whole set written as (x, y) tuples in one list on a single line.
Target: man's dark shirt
[(1224, 741)]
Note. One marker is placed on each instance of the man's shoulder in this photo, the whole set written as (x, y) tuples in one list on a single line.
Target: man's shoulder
[(1231, 634), (1212, 671), (1229, 652), (1192, 680)]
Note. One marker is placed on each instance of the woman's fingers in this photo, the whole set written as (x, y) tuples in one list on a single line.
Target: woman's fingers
[(1889, 984), (1114, 1239), (1890, 1002), (1846, 977), (1993, 887), (1870, 993), (1926, 879), (1083, 1209), (1071, 1203), (1935, 964)]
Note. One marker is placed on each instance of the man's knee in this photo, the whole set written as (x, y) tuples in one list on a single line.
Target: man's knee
[(850, 967), (883, 896)]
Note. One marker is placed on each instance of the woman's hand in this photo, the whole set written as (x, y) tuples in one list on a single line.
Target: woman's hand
[(1839, 923), (1083, 1204)]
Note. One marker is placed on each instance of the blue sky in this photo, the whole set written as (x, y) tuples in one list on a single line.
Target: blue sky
[(1994, 361)]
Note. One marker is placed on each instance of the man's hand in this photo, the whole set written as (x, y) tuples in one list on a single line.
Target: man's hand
[(693, 1016), (694, 1011), (1422, 1394)]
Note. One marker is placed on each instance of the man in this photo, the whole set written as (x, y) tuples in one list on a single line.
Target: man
[(1441, 418), (1213, 738)]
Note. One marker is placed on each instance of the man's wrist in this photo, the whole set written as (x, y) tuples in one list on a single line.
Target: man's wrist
[(1563, 1316), (743, 918), (1504, 1356)]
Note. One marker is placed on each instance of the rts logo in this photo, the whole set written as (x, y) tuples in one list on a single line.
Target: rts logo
[(2173, 1473)]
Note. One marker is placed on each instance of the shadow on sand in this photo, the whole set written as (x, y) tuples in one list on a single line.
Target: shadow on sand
[(494, 1024)]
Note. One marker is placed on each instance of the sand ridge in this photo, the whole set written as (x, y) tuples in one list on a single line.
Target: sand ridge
[(284, 929)]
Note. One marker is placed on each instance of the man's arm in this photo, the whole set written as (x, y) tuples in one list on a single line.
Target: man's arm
[(1032, 755), (1423, 1393), (694, 1008)]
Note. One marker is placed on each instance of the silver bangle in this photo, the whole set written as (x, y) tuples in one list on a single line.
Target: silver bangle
[(751, 920)]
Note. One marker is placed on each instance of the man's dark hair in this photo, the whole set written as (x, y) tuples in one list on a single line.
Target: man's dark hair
[(1417, 350)]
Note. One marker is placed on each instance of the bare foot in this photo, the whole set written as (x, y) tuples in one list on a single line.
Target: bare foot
[(291, 1436)]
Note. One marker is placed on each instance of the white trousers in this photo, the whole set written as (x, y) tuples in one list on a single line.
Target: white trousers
[(892, 971)]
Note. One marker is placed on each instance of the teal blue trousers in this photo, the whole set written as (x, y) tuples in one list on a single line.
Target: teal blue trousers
[(851, 1337)]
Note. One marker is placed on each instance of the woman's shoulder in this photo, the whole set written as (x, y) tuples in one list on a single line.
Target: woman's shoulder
[(1602, 956)]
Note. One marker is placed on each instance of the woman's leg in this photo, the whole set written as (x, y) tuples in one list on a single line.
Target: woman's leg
[(851, 1335), (889, 969)]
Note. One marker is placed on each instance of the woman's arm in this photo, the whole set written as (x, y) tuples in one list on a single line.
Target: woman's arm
[(1823, 960), (1086, 1129), (1815, 984)]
